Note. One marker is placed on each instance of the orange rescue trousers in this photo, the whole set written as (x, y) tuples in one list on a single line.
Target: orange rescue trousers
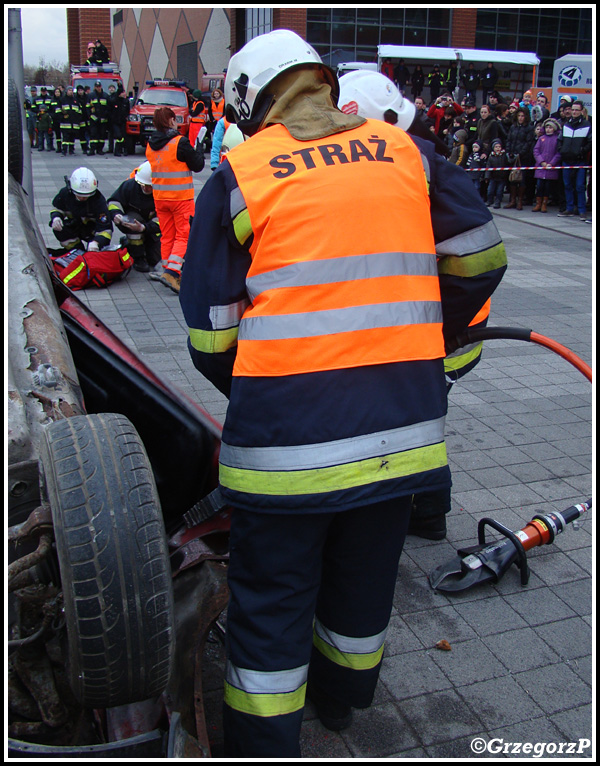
[(174, 217)]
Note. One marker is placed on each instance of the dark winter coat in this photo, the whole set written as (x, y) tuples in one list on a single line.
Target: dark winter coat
[(497, 161), (521, 140)]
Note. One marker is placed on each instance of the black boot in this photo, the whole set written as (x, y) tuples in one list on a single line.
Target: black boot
[(428, 517), (334, 715), (141, 264)]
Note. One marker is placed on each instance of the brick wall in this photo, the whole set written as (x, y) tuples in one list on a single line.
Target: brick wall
[(290, 18), (464, 22), (85, 25)]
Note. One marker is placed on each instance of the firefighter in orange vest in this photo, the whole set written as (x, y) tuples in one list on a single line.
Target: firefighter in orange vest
[(323, 318), (370, 94), (172, 159), (198, 118)]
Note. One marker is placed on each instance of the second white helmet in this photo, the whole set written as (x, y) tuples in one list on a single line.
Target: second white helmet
[(144, 174), (373, 95), (83, 182), (257, 64)]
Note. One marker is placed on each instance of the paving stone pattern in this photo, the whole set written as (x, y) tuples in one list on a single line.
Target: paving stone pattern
[(519, 436)]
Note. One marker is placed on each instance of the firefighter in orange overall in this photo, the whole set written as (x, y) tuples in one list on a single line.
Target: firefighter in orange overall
[(172, 159), (324, 321)]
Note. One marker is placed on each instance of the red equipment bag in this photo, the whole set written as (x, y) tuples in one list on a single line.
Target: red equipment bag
[(79, 269)]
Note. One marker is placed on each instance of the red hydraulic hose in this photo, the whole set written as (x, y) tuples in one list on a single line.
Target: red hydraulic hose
[(476, 335)]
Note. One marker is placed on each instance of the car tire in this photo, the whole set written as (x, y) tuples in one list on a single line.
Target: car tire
[(113, 559), (15, 132)]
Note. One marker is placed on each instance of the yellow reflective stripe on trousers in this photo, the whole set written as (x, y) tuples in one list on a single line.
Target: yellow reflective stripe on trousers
[(367, 652), (213, 341), (337, 477), (264, 693)]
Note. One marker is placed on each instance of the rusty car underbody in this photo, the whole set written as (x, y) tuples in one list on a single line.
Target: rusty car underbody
[(106, 576)]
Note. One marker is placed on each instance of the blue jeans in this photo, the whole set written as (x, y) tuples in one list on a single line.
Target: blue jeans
[(579, 189)]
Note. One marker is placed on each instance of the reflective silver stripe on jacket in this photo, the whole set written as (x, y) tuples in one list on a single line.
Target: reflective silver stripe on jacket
[(352, 267), (224, 317), (338, 452), (473, 241), (266, 682), (333, 321), (237, 203), (349, 644)]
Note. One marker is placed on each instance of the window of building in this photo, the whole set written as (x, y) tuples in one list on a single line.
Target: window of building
[(549, 33), (117, 18), (259, 21)]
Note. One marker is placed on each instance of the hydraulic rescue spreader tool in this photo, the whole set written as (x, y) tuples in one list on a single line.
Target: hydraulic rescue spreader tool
[(488, 562), (484, 563)]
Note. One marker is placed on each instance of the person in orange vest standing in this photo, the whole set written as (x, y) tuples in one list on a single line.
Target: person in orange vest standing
[(198, 118), (173, 160), (217, 108), (325, 322)]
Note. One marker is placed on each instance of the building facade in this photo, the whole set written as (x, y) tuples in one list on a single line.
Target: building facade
[(170, 43), (182, 43)]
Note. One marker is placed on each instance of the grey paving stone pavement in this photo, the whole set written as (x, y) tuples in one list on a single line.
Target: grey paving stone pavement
[(519, 437)]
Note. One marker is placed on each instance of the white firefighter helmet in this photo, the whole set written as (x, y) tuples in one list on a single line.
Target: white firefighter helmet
[(83, 182), (373, 95), (257, 64), (144, 174)]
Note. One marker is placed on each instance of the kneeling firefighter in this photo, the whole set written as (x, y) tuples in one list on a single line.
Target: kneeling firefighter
[(79, 216), (329, 341), (133, 212), (373, 95)]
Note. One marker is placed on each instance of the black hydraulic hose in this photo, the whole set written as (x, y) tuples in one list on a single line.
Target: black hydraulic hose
[(478, 334)]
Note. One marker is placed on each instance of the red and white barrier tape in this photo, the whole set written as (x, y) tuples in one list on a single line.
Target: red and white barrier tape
[(535, 167)]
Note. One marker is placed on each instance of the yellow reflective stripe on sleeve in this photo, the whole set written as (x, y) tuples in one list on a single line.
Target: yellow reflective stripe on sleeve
[(348, 659), (242, 226), (213, 341), (337, 477), (457, 360), (265, 705), (475, 264)]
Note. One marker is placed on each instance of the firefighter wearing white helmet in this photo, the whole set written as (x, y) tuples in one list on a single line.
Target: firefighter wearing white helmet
[(253, 69), (133, 212), (317, 266), (79, 216), (372, 94)]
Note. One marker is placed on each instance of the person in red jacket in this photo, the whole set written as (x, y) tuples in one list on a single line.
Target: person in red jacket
[(437, 111)]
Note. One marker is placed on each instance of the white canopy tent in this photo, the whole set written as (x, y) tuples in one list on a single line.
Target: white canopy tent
[(460, 55), (448, 54)]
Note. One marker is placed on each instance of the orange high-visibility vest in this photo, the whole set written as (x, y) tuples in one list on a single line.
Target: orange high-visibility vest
[(171, 179), (217, 109), (336, 281)]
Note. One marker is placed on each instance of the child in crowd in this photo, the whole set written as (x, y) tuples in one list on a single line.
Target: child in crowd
[(475, 161), (44, 128), (460, 151), (497, 178), (548, 162)]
